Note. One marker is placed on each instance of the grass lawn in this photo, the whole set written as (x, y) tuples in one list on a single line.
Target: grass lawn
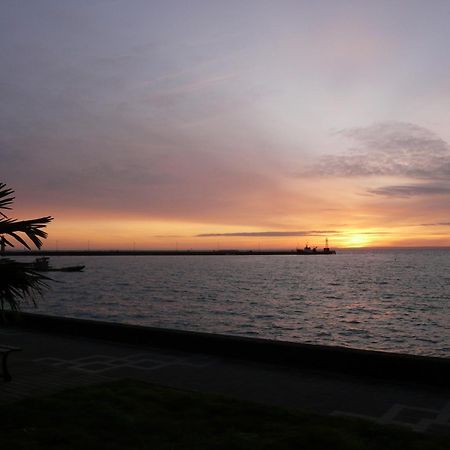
[(135, 415)]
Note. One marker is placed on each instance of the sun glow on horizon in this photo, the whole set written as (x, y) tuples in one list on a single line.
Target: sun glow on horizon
[(103, 232), (357, 240)]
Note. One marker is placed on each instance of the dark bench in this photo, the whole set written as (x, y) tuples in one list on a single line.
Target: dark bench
[(5, 350)]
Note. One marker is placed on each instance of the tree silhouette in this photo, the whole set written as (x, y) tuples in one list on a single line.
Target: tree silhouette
[(18, 281)]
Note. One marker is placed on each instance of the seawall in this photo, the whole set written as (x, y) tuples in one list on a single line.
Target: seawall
[(383, 365)]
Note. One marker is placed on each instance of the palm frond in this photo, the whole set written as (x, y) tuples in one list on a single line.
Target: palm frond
[(33, 229), (5, 197), (18, 282)]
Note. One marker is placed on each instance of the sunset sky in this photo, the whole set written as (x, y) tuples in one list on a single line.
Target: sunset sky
[(228, 124)]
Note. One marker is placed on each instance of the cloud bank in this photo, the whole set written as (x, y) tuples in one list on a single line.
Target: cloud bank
[(390, 149), (271, 233), (411, 190)]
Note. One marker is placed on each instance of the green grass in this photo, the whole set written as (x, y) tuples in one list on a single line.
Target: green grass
[(135, 415)]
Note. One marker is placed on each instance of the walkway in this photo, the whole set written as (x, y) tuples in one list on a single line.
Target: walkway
[(50, 363)]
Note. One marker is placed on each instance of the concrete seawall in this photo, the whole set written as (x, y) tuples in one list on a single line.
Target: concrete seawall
[(389, 366)]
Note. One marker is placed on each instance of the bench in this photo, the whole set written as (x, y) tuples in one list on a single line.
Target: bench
[(5, 350)]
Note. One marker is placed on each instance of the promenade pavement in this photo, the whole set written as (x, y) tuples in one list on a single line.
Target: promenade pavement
[(52, 362)]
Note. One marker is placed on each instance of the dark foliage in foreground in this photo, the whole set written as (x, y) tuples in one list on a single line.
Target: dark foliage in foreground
[(136, 415), (17, 281), (13, 228)]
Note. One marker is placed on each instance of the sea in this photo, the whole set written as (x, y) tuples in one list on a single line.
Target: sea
[(393, 300)]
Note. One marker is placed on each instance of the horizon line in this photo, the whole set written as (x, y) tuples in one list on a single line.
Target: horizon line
[(210, 250)]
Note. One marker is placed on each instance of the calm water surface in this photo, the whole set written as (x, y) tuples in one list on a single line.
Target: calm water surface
[(391, 300)]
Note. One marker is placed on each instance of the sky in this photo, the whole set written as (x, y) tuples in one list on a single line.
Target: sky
[(238, 124)]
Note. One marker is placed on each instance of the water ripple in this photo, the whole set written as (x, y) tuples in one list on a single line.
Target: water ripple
[(383, 300)]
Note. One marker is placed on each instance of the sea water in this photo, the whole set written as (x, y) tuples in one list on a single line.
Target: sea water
[(389, 300)]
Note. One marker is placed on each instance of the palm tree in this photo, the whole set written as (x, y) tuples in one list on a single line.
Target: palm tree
[(18, 281)]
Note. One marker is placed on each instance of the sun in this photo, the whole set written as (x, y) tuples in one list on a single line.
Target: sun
[(357, 240)]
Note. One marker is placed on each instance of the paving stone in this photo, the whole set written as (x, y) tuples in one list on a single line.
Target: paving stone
[(118, 362), (52, 361), (94, 367), (146, 364), (94, 358)]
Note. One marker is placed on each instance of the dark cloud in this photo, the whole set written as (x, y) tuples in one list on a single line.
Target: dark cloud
[(411, 190), (437, 224), (375, 233), (390, 149), (396, 136), (271, 233)]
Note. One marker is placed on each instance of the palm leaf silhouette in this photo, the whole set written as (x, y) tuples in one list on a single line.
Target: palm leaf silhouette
[(18, 282), (32, 229), (5, 197)]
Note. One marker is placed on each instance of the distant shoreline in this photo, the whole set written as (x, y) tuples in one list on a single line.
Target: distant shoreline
[(223, 252), (148, 252)]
